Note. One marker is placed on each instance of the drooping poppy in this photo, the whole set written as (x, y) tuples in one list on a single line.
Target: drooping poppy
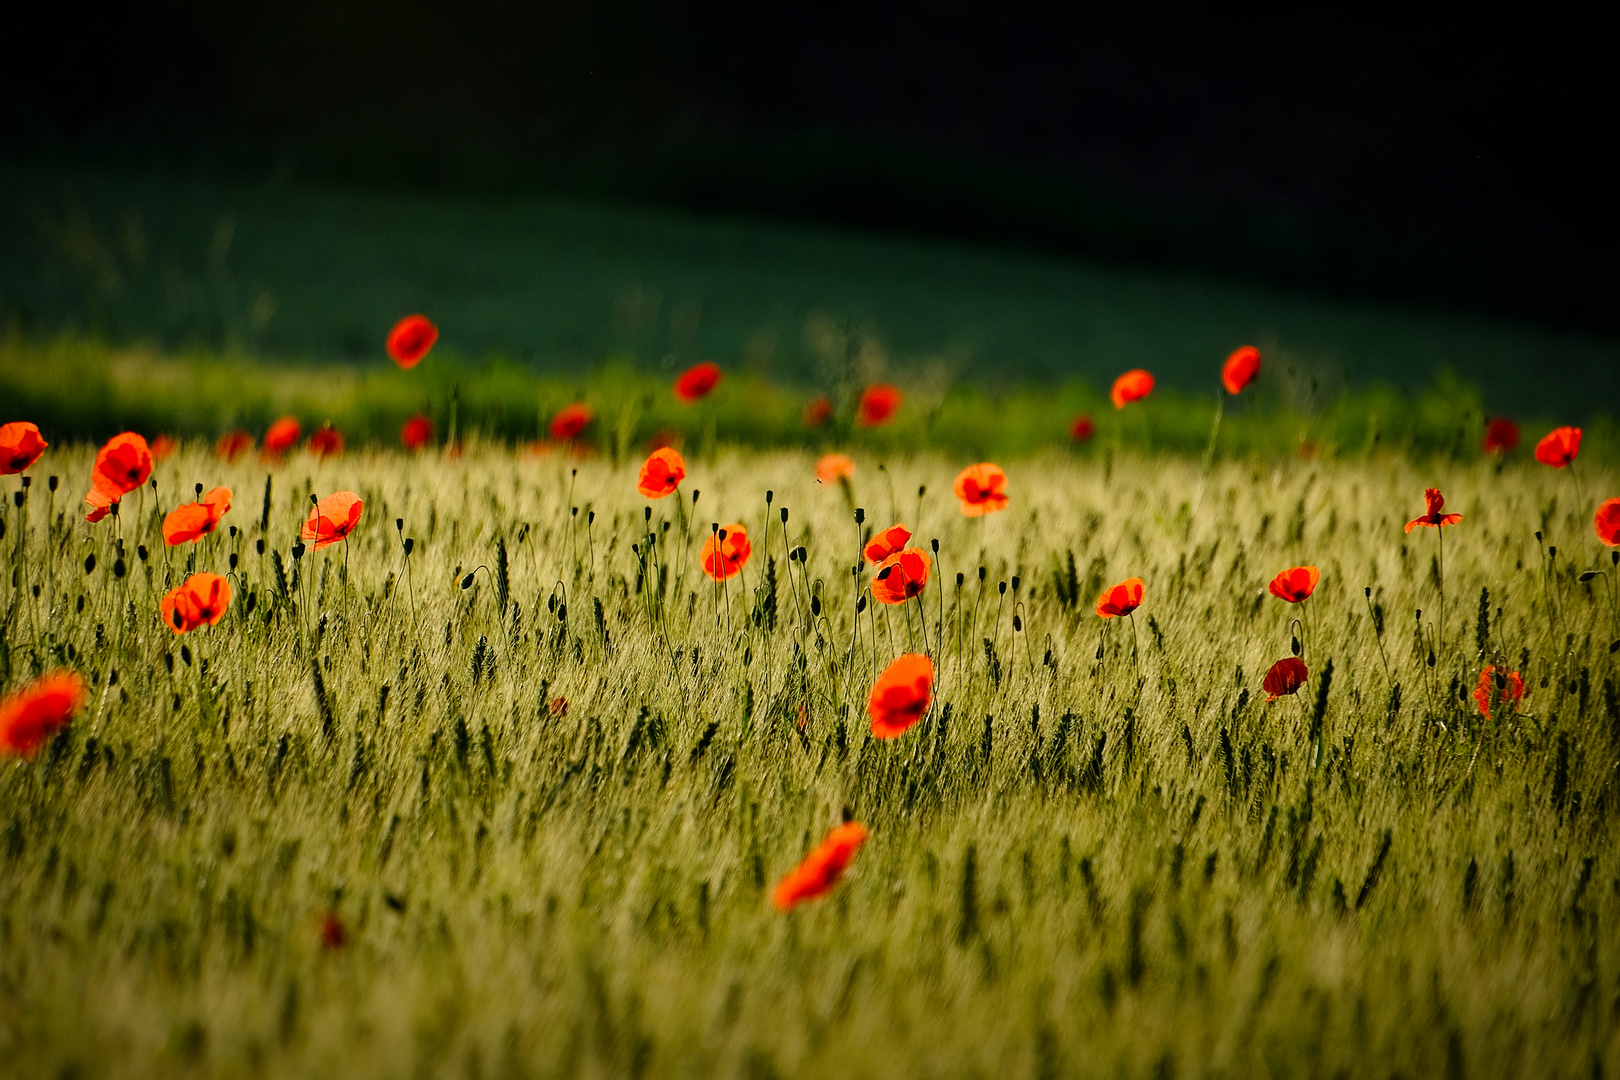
[(1285, 677), (901, 695), (661, 473), (410, 340), (1295, 584), (122, 466), (878, 404), (32, 714), (1134, 385), (817, 411), (162, 447), (1559, 447), (20, 446), (233, 444), (1501, 436), (1082, 428), (282, 436), (821, 870), (193, 521), (726, 552), (416, 432), (570, 421), (332, 519), (835, 467), (1510, 692), (901, 576), (101, 505), (982, 489), (1122, 599), (326, 441), (198, 601), (695, 382), (1606, 522), (1432, 518), (1240, 369), (886, 543)]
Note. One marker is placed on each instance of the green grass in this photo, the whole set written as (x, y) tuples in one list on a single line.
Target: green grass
[(1100, 854)]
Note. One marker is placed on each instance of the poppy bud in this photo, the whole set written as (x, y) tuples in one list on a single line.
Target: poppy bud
[(250, 603), (1614, 646), (140, 550), (784, 515), (258, 545), (1614, 558), (314, 499), (803, 554), (982, 573), (922, 489), (1538, 536), (399, 525), (1587, 576), (646, 514), (118, 567), (17, 498), (793, 554), (695, 494), (466, 582), (410, 542), (960, 577), (1431, 658), (1015, 583), (1293, 645), (185, 655), (199, 489), (860, 606), (1018, 624), (297, 552), (36, 592), (860, 514), (1368, 591), (27, 482), (234, 561), (79, 608), (769, 495), (1552, 552), (815, 605), (1001, 588), (51, 482), (233, 532), (112, 677), (562, 612), (90, 562), (168, 659), (1099, 652), (714, 526), (935, 543), (573, 511), (113, 509), (590, 518)]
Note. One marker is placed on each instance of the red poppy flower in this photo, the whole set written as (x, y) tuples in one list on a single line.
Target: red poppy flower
[(1240, 369), (1509, 693), (558, 706), (878, 403), (416, 432), (334, 935), (200, 600), (326, 441), (570, 421), (821, 870), (1122, 599), (233, 444), (1081, 428), (332, 519), (410, 340), (20, 446), (1134, 385), (663, 437), (1559, 447), (725, 553), (900, 696), (101, 505), (696, 381), (1285, 677), (817, 411), (162, 447), (1607, 522), (886, 543), (122, 466), (31, 715), (1433, 501), (982, 489), (661, 473), (193, 521), (1501, 436), (833, 468), (282, 436), (1295, 584), (901, 576)]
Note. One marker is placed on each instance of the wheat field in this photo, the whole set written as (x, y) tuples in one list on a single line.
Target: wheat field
[(384, 820)]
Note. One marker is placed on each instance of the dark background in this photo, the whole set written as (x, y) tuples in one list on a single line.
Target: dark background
[(1439, 160)]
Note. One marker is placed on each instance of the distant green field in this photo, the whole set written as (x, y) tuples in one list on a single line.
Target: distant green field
[(292, 273)]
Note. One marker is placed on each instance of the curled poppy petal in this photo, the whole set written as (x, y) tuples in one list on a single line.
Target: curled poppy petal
[(20, 446), (31, 715), (1433, 517), (661, 473), (570, 421), (100, 503), (1606, 522), (982, 488), (821, 870), (901, 576), (878, 404), (332, 519), (1501, 436), (416, 432), (1285, 677), (817, 411), (726, 552), (1509, 692), (1134, 385), (122, 466), (901, 695), (232, 445), (695, 382), (1122, 599), (1240, 369), (326, 441), (833, 468), (886, 543), (282, 436), (410, 339), (198, 601), (1082, 428), (1295, 584), (1559, 447)]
